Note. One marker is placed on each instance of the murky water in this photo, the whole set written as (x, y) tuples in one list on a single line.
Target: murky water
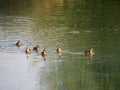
[(75, 25)]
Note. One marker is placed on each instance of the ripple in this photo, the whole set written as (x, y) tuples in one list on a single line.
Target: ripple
[(74, 32), (74, 53)]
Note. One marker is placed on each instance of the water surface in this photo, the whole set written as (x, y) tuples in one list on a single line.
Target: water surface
[(75, 26)]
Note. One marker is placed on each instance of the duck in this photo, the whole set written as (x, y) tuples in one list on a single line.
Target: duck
[(28, 51), (19, 44), (36, 48), (88, 52), (44, 54), (59, 51)]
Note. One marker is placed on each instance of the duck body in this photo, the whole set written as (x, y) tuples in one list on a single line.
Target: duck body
[(37, 48), (88, 52), (19, 44), (28, 51), (44, 54), (59, 51)]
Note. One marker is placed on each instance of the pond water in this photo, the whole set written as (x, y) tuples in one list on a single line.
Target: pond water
[(75, 25)]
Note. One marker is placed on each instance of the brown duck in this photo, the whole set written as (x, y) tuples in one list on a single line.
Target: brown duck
[(19, 44), (89, 53), (59, 51), (28, 51), (36, 48), (44, 54)]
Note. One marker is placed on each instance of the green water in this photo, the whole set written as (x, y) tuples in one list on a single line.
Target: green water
[(75, 25)]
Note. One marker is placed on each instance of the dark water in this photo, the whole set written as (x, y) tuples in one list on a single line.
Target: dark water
[(75, 25)]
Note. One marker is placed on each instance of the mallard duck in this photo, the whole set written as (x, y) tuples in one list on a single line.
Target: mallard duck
[(59, 51), (44, 53), (28, 51), (36, 48), (19, 44)]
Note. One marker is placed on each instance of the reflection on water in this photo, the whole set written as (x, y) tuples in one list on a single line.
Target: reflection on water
[(73, 25)]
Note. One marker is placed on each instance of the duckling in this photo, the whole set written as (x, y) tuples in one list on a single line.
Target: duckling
[(59, 51), (37, 48), (44, 53), (19, 44), (88, 52), (28, 51)]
